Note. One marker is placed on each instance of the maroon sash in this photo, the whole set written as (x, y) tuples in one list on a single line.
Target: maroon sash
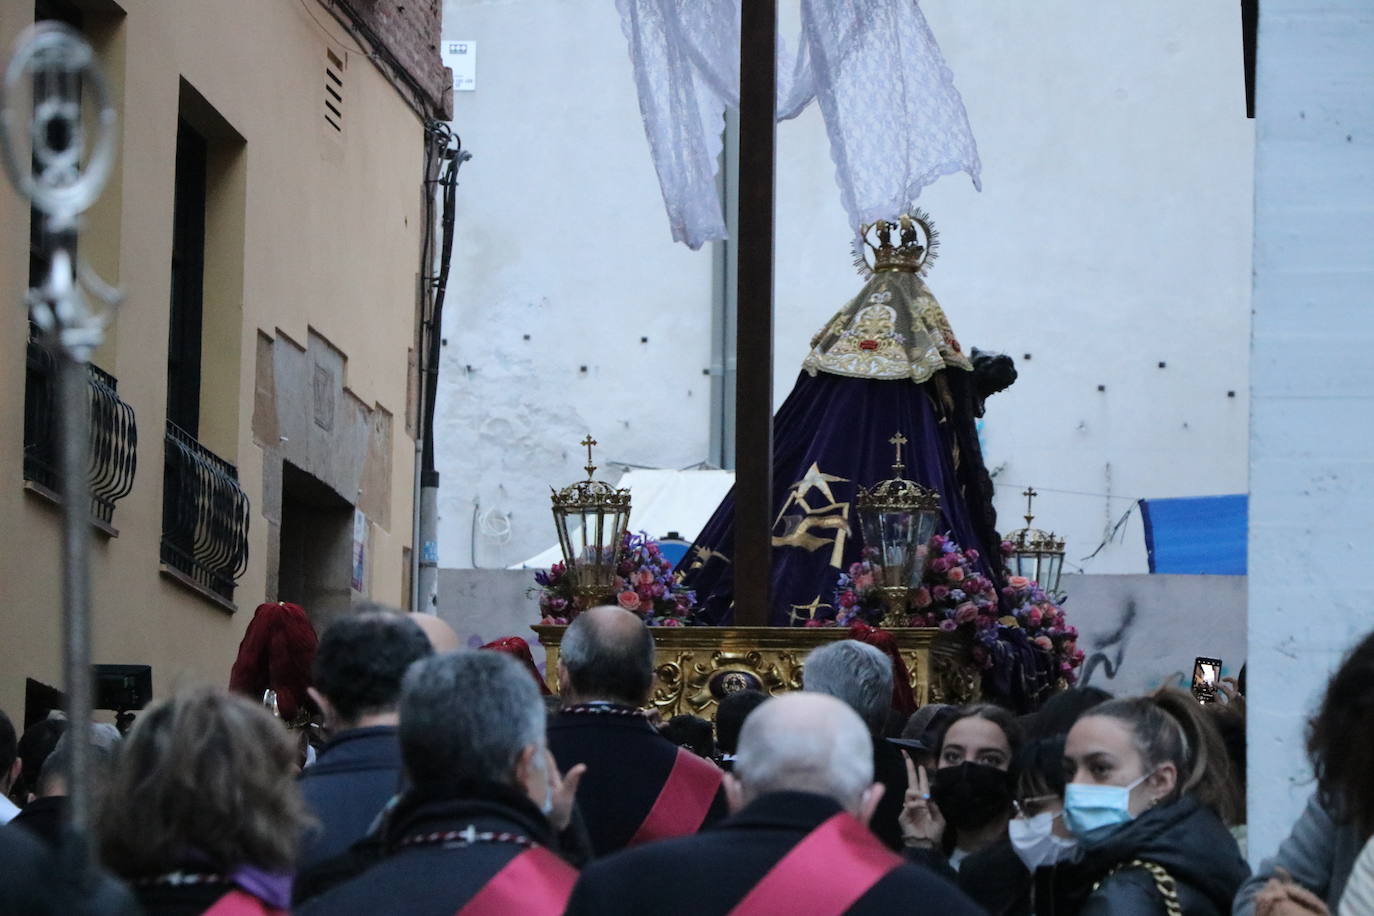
[(536, 882), (242, 903), (683, 802), (823, 875)]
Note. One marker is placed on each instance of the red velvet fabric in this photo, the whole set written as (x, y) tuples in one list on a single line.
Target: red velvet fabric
[(514, 645), (277, 652)]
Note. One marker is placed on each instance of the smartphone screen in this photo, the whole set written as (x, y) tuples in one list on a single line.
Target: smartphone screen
[(1206, 675)]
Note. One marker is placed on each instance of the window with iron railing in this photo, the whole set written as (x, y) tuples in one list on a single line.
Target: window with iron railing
[(204, 515), (114, 435)]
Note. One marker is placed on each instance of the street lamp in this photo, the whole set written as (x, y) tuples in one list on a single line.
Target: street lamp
[(591, 517), (1035, 554), (898, 519)]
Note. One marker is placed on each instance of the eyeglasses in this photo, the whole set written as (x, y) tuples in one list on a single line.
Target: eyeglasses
[(1030, 807)]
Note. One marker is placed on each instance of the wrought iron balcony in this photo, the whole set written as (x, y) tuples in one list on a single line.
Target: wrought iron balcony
[(204, 515), (114, 435)]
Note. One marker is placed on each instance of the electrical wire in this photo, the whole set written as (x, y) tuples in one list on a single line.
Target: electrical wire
[(305, 5)]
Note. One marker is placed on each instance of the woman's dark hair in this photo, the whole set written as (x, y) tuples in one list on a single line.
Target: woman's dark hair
[(1062, 710), (1039, 768), (205, 774), (1170, 726), (692, 733), (995, 714), (1340, 743)]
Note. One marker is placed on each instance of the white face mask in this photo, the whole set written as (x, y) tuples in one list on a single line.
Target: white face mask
[(1036, 843)]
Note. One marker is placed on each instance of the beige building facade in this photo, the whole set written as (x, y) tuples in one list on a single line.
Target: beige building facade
[(256, 410)]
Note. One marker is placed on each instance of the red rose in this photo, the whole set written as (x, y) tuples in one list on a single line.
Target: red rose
[(628, 600)]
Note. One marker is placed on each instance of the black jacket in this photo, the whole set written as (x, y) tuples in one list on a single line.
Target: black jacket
[(628, 762), (1188, 840), (889, 769), (356, 774), (436, 880), (710, 873), (43, 818)]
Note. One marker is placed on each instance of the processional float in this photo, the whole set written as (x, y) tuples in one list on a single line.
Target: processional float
[(819, 540)]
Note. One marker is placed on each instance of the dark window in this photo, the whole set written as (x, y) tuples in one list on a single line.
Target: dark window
[(188, 278), (1249, 29)]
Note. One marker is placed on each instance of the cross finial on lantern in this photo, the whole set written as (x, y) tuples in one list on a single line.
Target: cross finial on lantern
[(1030, 495), (898, 440), (587, 443)]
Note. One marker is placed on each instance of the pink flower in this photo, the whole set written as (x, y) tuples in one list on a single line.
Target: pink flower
[(972, 555), (848, 600), (1018, 582), (628, 600), (864, 582), (1033, 619), (644, 577), (956, 574), (965, 613), (1044, 643), (813, 622), (948, 626), (939, 593), (939, 565), (922, 597)]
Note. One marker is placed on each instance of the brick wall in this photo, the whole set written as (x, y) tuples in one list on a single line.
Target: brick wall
[(409, 33)]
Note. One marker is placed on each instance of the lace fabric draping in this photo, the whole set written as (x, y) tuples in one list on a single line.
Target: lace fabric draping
[(895, 121)]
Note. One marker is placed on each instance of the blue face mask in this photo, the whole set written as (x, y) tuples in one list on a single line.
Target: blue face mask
[(1095, 812)]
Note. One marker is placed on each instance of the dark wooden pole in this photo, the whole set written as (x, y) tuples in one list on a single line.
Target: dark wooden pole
[(754, 342)]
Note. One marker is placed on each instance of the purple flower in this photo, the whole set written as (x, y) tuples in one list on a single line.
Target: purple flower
[(949, 626)]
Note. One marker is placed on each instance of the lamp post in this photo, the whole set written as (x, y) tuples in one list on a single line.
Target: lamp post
[(898, 519), (591, 517), (1035, 554), (53, 160)]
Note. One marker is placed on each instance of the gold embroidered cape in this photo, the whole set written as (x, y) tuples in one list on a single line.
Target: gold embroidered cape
[(893, 329)]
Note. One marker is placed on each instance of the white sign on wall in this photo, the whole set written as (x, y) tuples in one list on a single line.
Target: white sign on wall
[(461, 57)]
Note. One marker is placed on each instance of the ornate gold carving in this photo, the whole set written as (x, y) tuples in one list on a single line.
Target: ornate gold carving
[(696, 666)]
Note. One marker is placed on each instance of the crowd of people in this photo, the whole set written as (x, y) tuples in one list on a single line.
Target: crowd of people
[(380, 769)]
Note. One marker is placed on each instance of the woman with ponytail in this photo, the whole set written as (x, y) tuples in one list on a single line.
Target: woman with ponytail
[(1148, 798)]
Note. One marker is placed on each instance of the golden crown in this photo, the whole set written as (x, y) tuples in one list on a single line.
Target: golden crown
[(916, 246)]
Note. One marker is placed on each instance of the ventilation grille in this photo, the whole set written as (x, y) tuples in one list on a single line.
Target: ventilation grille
[(333, 91)]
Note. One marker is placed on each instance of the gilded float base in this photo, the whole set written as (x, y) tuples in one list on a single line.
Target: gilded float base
[(696, 667)]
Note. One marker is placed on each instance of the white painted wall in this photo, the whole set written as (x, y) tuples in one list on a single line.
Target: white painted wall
[(1113, 233), (1311, 441)]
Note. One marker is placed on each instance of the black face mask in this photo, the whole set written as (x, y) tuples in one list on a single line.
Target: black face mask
[(971, 795)]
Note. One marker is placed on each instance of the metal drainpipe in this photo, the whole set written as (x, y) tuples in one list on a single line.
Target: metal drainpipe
[(723, 305)]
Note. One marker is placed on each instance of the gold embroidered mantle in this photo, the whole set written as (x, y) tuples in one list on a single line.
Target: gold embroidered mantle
[(893, 329)]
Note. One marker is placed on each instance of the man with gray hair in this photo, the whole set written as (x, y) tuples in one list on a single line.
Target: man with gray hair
[(476, 829), (861, 676), (800, 791), (639, 786)]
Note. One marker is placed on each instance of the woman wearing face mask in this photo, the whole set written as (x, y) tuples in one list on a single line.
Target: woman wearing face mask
[(1148, 798), (955, 819)]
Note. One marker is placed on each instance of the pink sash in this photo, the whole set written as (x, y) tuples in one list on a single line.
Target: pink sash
[(536, 882), (683, 802), (823, 875), (242, 903)]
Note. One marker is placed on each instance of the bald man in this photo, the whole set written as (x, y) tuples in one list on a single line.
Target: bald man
[(801, 792), (441, 635), (639, 785)]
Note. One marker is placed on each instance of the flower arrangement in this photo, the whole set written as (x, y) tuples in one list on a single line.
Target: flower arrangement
[(644, 583), (956, 597), (1043, 622)]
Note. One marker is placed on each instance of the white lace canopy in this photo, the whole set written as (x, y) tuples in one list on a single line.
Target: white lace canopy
[(896, 123)]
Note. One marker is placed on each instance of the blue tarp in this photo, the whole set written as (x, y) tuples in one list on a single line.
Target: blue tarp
[(1202, 535)]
